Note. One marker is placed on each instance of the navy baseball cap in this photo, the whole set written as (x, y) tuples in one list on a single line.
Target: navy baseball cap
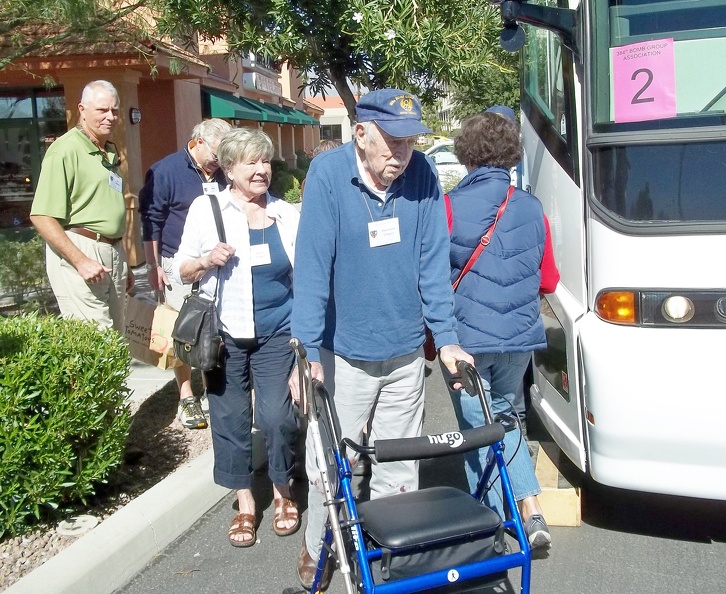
[(502, 110), (397, 113)]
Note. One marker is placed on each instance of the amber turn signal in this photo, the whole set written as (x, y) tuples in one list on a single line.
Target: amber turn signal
[(618, 307)]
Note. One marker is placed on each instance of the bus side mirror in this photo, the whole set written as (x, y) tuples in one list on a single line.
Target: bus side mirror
[(563, 21)]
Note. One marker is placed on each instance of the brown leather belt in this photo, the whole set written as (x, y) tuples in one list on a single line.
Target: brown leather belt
[(93, 235)]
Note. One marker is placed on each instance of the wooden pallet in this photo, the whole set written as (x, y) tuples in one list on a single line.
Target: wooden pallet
[(560, 500)]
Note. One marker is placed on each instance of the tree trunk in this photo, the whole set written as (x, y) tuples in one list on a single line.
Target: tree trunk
[(341, 85)]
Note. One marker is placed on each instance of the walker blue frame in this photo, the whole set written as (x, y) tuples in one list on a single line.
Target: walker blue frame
[(347, 531)]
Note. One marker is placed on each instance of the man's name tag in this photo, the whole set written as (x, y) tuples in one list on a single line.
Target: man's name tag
[(384, 232), (210, 188), (114, 180), (260, 254)]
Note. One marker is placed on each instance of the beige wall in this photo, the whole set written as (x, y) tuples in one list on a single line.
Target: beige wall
[(158, 121)]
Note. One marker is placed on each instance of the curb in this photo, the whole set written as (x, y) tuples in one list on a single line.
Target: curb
[(108, 556)]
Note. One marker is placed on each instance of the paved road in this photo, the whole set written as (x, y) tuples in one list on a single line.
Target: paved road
[(627, 543)]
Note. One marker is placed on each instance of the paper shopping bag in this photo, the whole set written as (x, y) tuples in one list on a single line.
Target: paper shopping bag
[(148, 332)]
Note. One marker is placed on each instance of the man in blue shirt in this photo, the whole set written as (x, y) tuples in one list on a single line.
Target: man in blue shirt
[(171, 185), (372, 271)]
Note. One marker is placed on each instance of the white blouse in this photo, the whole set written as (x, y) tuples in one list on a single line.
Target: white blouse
[(235, 306)]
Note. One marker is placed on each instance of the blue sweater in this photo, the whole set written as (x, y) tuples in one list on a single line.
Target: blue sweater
[(171, 186), (370, 303), (497, 301)]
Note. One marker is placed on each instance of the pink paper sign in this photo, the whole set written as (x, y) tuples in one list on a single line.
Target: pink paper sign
[(644, 81)]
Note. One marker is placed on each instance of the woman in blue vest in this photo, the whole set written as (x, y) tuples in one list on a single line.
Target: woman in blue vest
[(497, 300)]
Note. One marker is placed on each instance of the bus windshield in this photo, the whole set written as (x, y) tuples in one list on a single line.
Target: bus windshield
[(658, 71), (657, 64)]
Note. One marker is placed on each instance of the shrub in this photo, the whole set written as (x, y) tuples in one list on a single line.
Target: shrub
[(64, 416), (299, 174), (282, 179), (293, 195), (303, 159), (22, 268), (449, 180)]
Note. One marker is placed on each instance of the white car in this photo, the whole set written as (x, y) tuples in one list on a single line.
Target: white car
[(442, 154)]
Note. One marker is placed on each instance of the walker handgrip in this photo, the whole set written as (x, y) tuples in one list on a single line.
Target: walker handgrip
[(435, 446), (298, 347), (472, 383)]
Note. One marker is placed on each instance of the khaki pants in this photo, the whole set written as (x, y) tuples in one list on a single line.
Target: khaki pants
[(393, 393), (103, 302)]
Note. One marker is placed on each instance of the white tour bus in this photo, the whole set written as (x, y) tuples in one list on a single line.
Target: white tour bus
[(624, 127)]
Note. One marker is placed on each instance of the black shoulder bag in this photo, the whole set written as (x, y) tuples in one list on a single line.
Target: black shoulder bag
[(196, 333)]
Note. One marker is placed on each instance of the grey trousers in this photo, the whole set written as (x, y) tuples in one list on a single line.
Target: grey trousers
[(388, 393)]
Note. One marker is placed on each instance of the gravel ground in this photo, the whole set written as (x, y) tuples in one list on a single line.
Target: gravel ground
[(157, 445)]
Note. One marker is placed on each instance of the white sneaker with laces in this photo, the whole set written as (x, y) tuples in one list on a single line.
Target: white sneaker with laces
[(538, 534), (190, 414)]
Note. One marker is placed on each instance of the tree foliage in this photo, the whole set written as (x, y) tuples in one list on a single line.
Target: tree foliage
[(423, 46), (31, 26), (496, 84), (418, 45)]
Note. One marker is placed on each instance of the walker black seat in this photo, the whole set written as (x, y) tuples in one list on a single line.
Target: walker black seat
[(430, 530), (427, 516)]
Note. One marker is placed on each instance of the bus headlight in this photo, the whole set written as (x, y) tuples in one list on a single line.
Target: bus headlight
[(662, 308), (618, 307), (678, 309), (720, 308)]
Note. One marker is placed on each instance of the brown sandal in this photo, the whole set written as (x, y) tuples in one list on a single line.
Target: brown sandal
[(285, 509), (243, 524)]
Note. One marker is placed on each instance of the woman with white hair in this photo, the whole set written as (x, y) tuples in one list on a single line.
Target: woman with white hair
[(251, 275)]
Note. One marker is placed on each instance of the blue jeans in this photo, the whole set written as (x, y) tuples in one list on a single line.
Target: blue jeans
[(266, 366), (502, 374)]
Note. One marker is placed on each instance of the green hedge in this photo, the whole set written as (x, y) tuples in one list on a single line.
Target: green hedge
[(22, 268), (64, 415)]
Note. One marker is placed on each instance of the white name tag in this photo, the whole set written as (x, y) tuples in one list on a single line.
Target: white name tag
[(383, 232), (260, 254), (114, 180), (210, 188)]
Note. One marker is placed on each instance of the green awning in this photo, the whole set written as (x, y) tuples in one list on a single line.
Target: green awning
[(295, 116), (219, 104), (306, 118), (280, 112), (265, 111)]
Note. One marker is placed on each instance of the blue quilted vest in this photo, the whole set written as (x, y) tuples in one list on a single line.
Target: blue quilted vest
[(497, 302)]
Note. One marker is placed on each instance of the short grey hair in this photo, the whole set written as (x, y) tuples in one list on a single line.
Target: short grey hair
[(91, 87), (243, 144), (210, 130)]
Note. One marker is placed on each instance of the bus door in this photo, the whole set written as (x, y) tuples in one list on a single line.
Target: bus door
[(552, 173)]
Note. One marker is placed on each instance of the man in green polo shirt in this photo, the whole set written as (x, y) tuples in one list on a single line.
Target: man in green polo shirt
[(79, 210)]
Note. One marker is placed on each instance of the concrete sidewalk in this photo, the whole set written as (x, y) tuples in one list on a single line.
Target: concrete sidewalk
[(105, 558)]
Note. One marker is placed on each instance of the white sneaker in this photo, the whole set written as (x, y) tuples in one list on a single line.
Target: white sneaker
[(204, 403), (190, 414), (537, 532)]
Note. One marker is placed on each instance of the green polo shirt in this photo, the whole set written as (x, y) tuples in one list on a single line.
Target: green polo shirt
[(75, 186)]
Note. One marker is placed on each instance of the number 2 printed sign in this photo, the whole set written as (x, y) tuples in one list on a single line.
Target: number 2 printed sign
[(644, 81)]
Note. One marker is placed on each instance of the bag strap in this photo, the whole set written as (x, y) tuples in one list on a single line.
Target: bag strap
[(484, 241), (218, 217), (217, 212)]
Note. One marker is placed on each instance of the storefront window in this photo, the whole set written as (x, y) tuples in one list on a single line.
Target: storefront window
[(30, 120)]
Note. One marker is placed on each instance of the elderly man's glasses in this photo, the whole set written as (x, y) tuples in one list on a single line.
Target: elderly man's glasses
[(211, 153)]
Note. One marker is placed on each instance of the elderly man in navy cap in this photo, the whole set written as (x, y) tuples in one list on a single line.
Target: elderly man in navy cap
[(372, 271)]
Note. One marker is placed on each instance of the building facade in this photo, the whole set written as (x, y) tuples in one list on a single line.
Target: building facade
[(159, 108)]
